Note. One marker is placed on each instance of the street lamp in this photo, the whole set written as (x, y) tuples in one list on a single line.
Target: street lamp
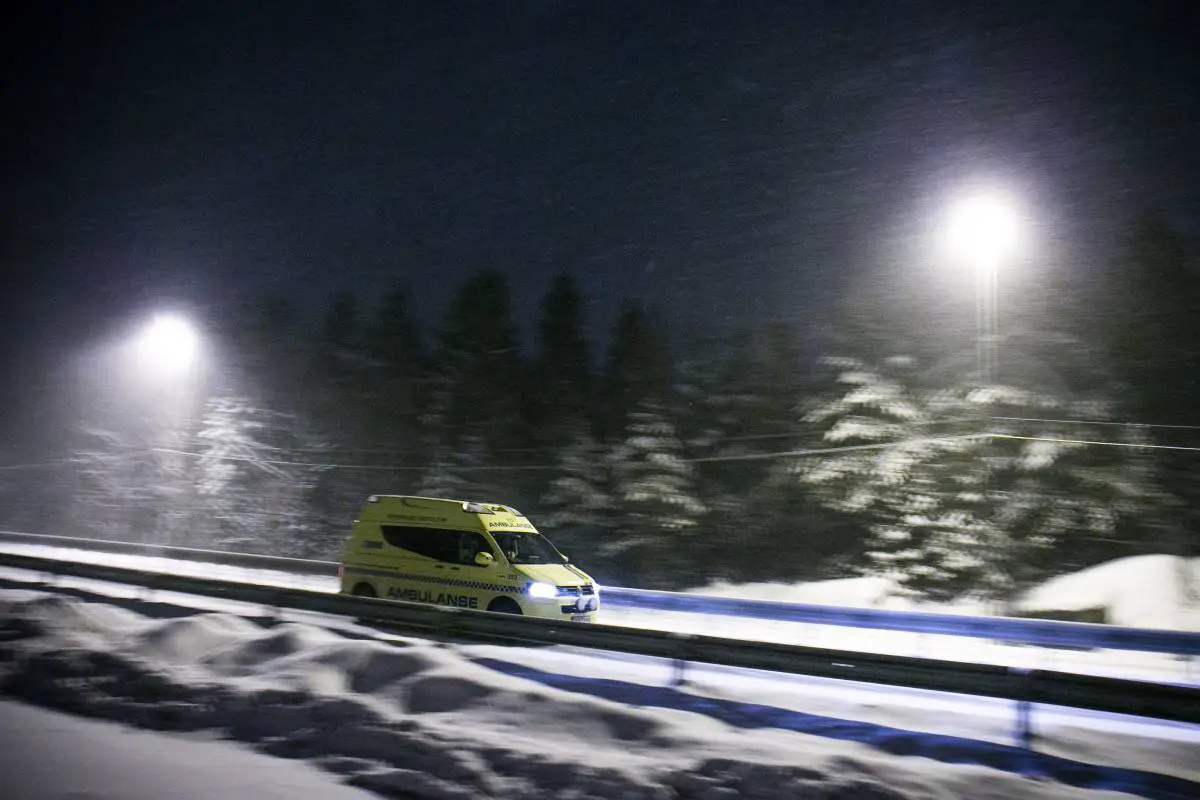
[(167, 358), (137, 395), (983, 232), (167, 348)]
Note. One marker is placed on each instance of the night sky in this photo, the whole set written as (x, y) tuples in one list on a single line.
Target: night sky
[(722, 161)]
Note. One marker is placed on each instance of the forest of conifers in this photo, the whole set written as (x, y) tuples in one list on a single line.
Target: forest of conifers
[(664, 463)]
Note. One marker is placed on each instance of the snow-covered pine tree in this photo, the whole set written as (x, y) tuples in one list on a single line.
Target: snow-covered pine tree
[(1064, 502), (578, 508), (256, 476), (973, 489), (459, 471), (736, 397), (917, 485), (637, 370), (658, 506), (113, 495), (133, 482), (472, 424), (872, 413)]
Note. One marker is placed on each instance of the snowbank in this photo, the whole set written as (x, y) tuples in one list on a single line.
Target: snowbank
[(45, 755), (414, 718), (1140, 592)]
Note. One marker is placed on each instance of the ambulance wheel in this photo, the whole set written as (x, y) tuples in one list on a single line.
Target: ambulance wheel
[(364, 590), (504, 605)]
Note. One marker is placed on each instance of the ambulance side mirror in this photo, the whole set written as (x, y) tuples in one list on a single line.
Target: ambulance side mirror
[(483, 559)]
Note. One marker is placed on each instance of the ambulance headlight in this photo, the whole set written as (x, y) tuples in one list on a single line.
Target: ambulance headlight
[(542, 591)]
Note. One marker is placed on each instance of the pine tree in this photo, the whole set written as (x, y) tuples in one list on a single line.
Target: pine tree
[(474, 418), (659, 509), (1148, 321), (578, 509), (338, 375), (736, 397), (896, 476), (477, 370), (461, 473), (560, 396), (394, 378), (133, 484), (968, 489), (269, 350), (637, 370), (1150, 310), (252, 491), (392, 392)]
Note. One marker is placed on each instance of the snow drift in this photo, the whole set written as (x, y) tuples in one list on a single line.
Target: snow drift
[(413, 718)]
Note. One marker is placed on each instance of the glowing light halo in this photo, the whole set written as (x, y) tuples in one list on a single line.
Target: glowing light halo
[(168, 344), (983, 229)]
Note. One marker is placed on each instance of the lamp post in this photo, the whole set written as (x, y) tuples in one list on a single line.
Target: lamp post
[(982, 233), (166, 359)]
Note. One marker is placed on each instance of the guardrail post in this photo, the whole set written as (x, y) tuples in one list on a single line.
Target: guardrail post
[(678, 667), (1025, 723), (1024, 685), (680, 650)]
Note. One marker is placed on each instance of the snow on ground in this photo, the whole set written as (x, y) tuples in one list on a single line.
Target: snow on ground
[(95, 760), (1142, 591), (415, 718)]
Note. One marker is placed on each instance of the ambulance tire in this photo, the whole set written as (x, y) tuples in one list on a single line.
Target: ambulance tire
[(504, 605), (364, 590)]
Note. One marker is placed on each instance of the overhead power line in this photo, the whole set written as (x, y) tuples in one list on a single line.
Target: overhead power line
[(821, 451), (1130, 445), (1111, 423)]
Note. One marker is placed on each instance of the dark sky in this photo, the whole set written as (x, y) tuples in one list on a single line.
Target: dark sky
[(724, 161)]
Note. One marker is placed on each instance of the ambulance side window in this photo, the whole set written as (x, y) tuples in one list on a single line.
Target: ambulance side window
[(429, 542), (469, 545)]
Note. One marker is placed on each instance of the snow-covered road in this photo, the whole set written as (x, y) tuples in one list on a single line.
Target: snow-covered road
[(46, 754)]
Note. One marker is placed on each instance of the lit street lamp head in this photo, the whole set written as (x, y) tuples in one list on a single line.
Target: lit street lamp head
[(168, 346), (983, 230)]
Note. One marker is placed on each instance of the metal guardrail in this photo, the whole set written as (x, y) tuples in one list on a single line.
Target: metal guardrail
[(296, 566), (1044, 633), (1041, 633), (1114, 695)]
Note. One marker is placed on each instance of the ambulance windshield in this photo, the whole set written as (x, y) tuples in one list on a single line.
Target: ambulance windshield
[(527, 548)]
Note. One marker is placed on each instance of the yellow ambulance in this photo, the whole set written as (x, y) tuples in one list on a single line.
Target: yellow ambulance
[(469, 555)]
